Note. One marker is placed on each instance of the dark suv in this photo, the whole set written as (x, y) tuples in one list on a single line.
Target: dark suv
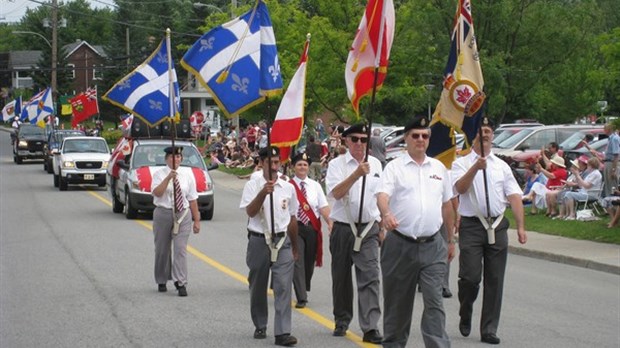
[(29, 143), (54, 139)]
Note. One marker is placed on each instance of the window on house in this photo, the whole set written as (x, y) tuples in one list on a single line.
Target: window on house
[(71, 70), (98, 72)]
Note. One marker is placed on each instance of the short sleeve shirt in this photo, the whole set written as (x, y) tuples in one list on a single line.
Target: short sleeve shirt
[(186, 181), (284, 204)]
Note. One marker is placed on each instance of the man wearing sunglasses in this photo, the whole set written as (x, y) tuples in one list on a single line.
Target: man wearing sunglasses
[(415, 200), (355, 241), (477, 250)]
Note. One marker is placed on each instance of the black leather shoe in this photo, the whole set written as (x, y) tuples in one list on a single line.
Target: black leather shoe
[(446, 293), (176, 285), (260, 333), (340, 331), (465, 327), (490, 338), (301, 304), (372, 336), (162, 288), (182, 291), (286, 340)]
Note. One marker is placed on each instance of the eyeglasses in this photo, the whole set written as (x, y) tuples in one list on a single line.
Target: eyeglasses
[(355, 139), (418, 135)]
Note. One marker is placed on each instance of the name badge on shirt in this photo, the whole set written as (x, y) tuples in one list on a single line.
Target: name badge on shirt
[(435, 177)]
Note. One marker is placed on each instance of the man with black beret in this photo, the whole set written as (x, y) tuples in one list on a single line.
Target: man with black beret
[(355, 242), (312, 202), (483, 238), (415, 200), (271, 252)]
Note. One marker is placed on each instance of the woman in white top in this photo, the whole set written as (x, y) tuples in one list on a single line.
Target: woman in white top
[(589, 186)]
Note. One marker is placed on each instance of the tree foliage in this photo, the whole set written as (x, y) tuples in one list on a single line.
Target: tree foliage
[(548, 60)]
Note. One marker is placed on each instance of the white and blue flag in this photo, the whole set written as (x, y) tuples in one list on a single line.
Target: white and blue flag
[(38, 108), (145, 92), (238, 61)]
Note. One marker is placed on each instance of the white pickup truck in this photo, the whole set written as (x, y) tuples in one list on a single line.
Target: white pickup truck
[(130, 175), (81, 160)]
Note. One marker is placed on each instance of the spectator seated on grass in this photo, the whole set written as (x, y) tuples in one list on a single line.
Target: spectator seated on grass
[(608, 202), (616, 216), (555, 175)]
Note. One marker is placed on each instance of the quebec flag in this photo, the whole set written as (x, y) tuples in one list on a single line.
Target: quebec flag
[(238, 61), (145, 91)]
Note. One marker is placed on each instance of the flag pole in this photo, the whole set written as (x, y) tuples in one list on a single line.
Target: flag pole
[(171, 107), (371, 109), (490, 230), (268, 121)]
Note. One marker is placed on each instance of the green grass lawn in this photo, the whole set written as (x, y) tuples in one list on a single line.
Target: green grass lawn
[(595, 231)]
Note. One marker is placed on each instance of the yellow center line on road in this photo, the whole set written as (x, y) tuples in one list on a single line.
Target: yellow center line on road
[(243, 279)]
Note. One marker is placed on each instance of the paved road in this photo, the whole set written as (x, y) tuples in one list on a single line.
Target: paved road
[(72, 273)]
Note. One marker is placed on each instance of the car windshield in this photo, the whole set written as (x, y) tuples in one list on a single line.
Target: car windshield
[(573, 142), (31, 130), (153, 155), (60, 136), (502, 135), (86, 145), (515, 139)]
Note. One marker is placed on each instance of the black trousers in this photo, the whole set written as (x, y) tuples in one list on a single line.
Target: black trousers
[(304, 266), (477, 258)]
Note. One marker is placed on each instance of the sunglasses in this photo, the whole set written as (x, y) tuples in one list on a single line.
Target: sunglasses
[(355, 139), (418, 135)]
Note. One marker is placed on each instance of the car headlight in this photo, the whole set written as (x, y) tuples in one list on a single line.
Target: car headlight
[(23, 143), (68, 164), (104, 164)]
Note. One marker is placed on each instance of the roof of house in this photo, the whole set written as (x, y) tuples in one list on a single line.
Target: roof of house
[(24, 58), (74, 46)]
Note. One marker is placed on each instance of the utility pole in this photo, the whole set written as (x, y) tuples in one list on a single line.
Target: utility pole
[(54, 81)]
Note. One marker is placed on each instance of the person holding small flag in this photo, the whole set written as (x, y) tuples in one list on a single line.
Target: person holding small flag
[(175, 198), (355, 242), (271, 205), (483, 239), (312, 202)]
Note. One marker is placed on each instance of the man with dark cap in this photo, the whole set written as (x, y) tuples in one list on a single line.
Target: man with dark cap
[(483, 241), (415, 200), (312, 202), (354, 241), (271, 249), (171, 225)]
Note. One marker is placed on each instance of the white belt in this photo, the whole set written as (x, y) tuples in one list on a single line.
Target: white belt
[(358, 239), (274, 248)]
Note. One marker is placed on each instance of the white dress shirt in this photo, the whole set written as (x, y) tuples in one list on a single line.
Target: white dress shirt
[(417, 193), (186, 181), (314, 194), (338, 170), (284, 204), (501, 184)]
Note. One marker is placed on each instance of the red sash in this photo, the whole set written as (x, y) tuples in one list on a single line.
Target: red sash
[(316, 223)]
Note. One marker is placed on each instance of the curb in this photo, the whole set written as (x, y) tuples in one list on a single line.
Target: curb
[(568, 260)]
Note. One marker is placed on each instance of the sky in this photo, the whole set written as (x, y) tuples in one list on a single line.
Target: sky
[(13, 10)]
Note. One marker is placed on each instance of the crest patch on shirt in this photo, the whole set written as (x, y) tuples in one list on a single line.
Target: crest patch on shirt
[(284, 204)]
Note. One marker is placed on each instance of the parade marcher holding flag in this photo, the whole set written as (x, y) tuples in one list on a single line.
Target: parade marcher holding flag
[(172, 219), (353, 242), (477, 254), (268, 252), (312, 205)]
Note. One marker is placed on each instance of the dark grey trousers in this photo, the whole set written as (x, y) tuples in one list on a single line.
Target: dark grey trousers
[(304, 265), (404, 264), (366, 263), (477, 256), (258, 259)]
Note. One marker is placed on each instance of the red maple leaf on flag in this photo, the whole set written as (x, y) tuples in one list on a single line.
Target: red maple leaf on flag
[(464, 95)]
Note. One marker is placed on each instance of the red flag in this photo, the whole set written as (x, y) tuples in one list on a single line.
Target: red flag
[(84, 105), (289, 121), (370, 49)]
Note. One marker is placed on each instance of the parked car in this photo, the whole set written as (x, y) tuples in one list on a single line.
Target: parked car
[(54, 140), (129, 176), (524, 147), (29, 143), (501, 134), (391, 133), (81, 160)]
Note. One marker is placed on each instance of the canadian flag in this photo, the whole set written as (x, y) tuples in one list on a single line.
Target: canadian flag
[(289, 121)]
